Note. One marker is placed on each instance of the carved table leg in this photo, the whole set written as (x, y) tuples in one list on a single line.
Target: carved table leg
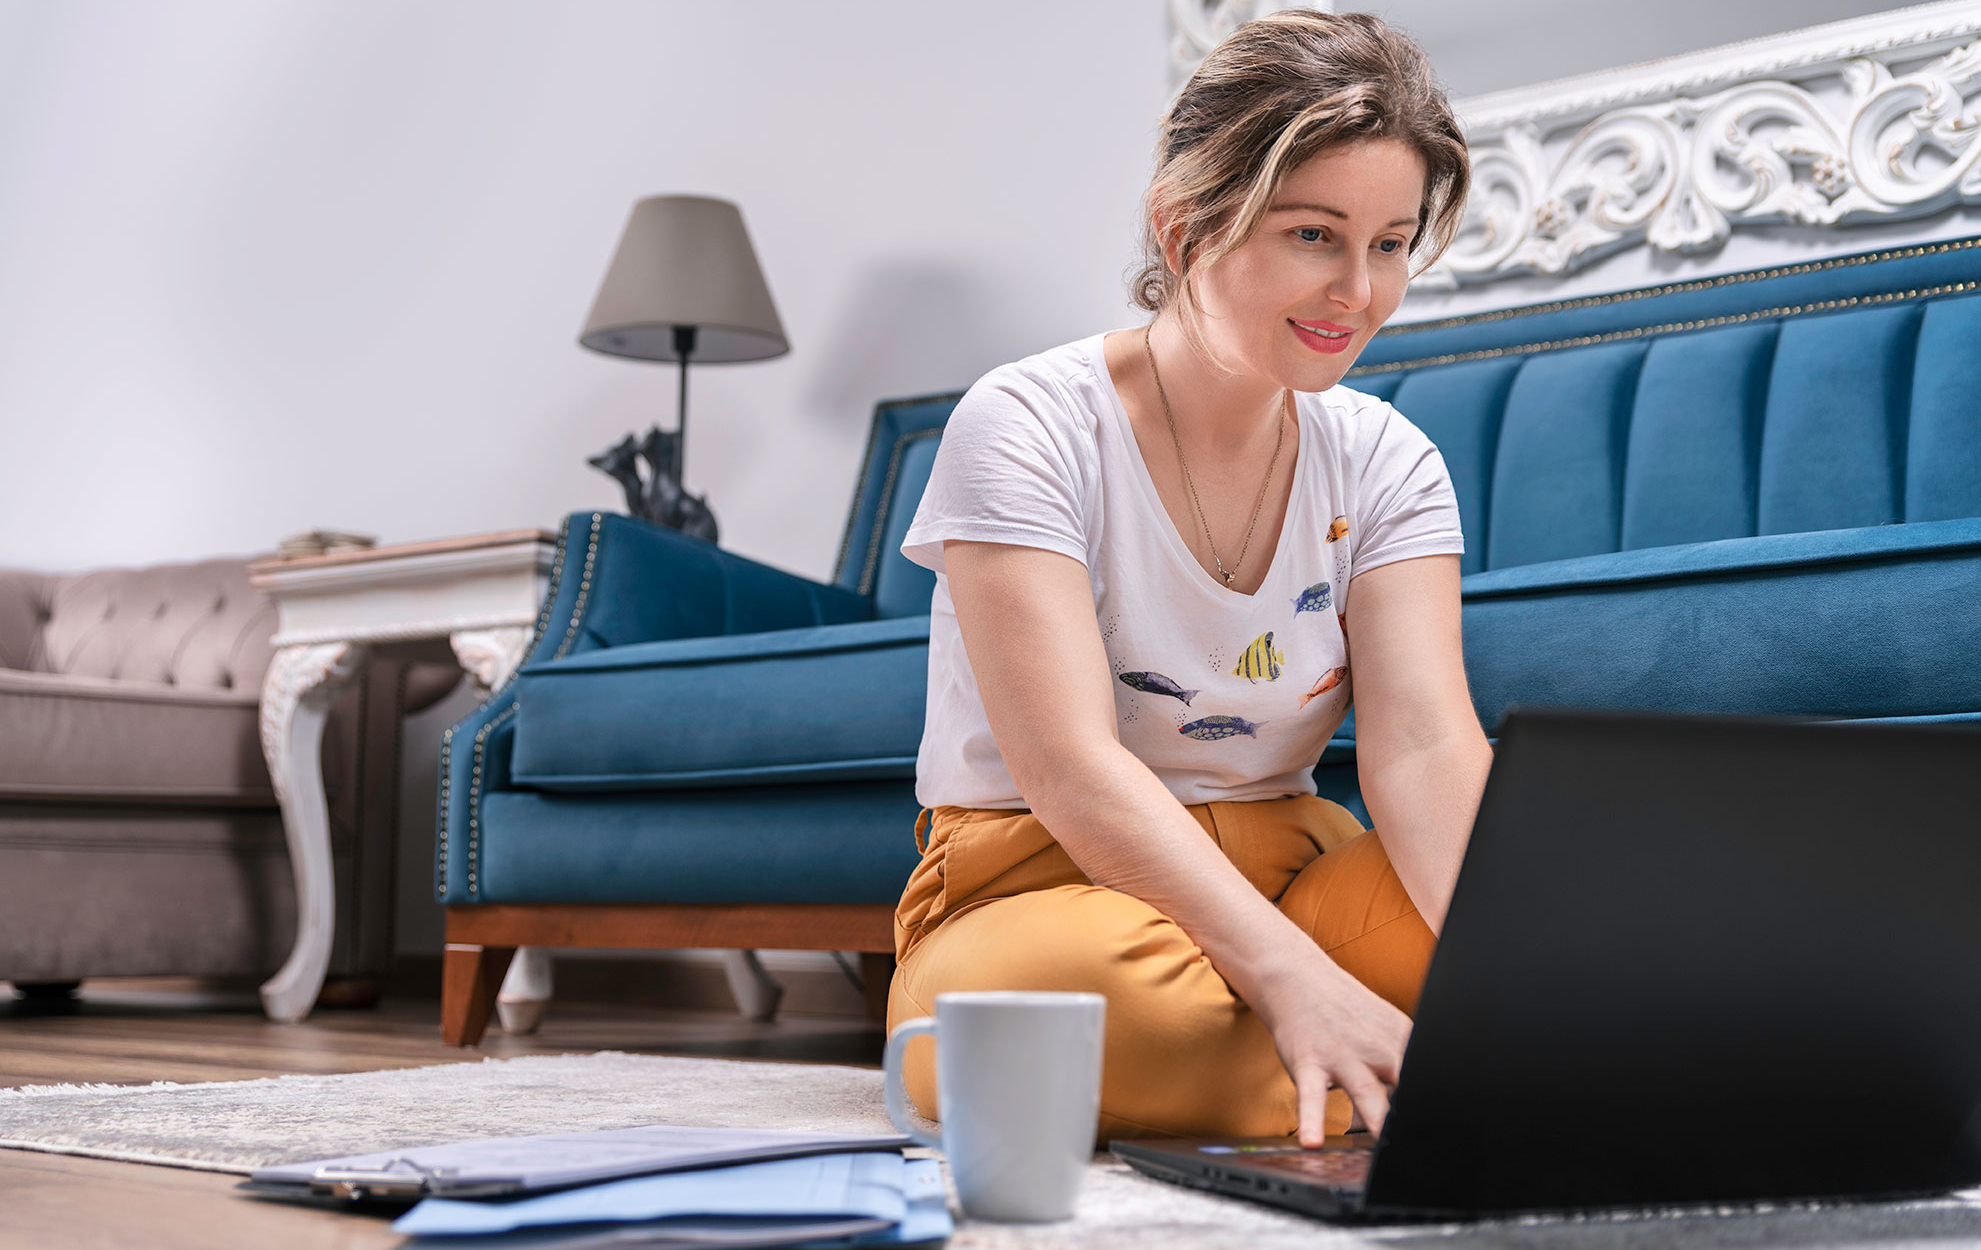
[(295, 699), (491, 655)]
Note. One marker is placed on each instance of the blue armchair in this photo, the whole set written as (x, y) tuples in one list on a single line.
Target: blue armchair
[(1756, 493)]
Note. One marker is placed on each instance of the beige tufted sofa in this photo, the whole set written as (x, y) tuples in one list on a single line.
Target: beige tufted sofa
[(139, 833)]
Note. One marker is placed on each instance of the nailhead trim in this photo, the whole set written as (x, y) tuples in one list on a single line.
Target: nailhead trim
[(860, 487), (1788, 310), (474, 801), (584, 588), (447, 738), (481, 737), (886, 501)]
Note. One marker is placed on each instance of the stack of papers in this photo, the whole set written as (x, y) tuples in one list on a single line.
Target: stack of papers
[(662, 1185)]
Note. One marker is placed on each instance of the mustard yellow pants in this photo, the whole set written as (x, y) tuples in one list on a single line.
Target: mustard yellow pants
[(997, 904)]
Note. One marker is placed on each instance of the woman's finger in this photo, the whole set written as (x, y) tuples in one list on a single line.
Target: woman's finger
[(1311, 1088), (1370, 1097)]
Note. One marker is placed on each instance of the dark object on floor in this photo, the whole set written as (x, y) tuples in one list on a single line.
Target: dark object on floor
[(47, 991)]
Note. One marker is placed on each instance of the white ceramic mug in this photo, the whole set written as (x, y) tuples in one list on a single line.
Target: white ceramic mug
[(1018, 1082)]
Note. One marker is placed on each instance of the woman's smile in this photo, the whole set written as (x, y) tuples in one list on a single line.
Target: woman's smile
[(1322, 336)]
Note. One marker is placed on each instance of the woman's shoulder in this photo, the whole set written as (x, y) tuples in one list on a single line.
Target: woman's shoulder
[(1357, 426), (1058, 387)]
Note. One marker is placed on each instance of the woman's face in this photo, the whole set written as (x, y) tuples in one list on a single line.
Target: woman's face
[(1330, 255)]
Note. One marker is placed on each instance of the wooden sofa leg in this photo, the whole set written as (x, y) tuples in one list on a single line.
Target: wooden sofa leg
[(876, 973), (470, 976)]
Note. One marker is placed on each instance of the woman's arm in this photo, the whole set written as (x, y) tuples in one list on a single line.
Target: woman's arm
[(1026, 616), (1419, 751)]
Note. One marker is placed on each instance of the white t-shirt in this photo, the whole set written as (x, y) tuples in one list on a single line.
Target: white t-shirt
[(1225, 696)]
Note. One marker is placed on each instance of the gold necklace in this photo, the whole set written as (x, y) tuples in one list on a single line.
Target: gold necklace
[(1231, 573)]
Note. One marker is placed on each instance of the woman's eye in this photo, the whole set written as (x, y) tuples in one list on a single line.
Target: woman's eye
[(1388, 250), (1309, 234)]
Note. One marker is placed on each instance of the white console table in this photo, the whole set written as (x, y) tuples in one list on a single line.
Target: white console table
[(481, 594)]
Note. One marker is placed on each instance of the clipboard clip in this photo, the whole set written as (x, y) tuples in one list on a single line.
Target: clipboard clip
[(358, 1184)]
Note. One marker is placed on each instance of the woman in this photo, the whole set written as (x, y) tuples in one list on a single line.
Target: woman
[(1146, 545)]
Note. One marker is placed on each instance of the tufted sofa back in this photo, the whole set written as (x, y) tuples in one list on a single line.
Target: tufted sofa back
[(1831, 395), (197, 625)]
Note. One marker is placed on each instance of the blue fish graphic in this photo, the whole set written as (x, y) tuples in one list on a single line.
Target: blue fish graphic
[(1211, 728), (1156, 683), (1316, 598)]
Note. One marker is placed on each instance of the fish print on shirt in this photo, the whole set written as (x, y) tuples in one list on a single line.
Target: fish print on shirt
[(1329, 680), (1261, 660), (1211, 728), (1156, 683), (1316, 598)]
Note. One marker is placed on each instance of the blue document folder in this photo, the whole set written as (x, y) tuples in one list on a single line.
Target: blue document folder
[(842, 1200)]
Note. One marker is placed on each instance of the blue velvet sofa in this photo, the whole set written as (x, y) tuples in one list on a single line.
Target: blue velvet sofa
[(1758, 493)]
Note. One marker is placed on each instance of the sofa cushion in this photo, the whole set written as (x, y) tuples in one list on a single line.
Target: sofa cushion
[(1880, 621), (68, 737), (835, 702), (851, 842)]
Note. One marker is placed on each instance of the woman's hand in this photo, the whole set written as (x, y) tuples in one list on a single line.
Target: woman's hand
[(1331, 1029)]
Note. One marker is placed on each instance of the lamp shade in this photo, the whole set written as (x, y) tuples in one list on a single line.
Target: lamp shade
[(685, 260)]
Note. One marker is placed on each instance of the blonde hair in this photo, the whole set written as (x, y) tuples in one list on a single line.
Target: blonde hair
[(1277, 91)]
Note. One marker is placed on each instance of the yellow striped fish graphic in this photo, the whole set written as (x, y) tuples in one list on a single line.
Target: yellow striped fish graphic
[(1338, 529), (1260, 660)]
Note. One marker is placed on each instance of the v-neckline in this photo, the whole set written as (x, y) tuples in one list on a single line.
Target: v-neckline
[(1152, 498)]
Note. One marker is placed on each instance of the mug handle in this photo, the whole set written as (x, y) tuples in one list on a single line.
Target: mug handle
[(892, 1087)]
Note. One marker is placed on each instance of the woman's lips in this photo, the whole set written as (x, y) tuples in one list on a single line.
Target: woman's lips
[(1320, 342)]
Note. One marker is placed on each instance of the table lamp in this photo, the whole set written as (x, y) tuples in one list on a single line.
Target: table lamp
[(684, 283)]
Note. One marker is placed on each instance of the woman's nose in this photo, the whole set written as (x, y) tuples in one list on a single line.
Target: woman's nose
[(1349, 288)]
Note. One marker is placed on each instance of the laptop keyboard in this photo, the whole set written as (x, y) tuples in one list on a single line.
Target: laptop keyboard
[(1331, 1166)]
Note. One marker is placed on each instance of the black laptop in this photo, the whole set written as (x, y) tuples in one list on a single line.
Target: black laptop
[(1690, 960)]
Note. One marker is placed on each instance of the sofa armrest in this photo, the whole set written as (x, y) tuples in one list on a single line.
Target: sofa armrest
[(630, 581), (616, 581)]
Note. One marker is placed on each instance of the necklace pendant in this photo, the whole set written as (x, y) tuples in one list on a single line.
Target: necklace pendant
[(1229, 578)]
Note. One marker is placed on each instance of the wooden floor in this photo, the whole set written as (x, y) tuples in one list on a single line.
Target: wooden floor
[(133, 1034)]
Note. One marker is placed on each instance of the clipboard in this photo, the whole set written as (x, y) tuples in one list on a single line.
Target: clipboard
[(511, 1166)]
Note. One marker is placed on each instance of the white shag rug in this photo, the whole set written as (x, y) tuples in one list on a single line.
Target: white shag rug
[(237, 1126)]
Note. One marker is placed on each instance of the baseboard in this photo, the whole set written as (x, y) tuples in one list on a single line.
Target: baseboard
[(685, 980)]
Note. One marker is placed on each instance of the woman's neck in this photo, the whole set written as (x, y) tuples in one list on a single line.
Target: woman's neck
[(1225, 413)]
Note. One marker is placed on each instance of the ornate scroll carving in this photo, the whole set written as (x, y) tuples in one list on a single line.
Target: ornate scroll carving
[(1844, 140), (491, 655)]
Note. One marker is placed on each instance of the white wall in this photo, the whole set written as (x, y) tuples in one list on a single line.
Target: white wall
[(268, 265), (1478, 47)]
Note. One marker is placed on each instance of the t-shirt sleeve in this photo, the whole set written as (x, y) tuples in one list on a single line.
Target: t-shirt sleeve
[(1408, 506), (1007, 471)]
